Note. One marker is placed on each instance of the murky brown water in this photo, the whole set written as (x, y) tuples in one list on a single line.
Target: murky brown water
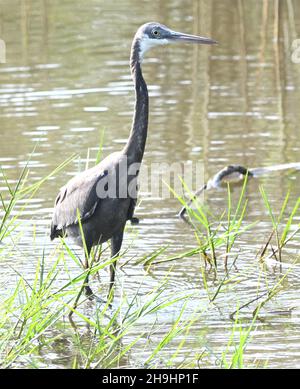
[(67, 78)]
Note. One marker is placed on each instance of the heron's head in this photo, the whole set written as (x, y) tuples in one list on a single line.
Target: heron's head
[(155, 34)]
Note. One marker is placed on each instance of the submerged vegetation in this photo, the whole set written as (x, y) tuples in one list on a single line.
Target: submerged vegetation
[(34, 326)]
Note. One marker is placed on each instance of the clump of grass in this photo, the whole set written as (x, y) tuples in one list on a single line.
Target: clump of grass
[(33, 308), (233, 356), (217, 235), (277, 223)]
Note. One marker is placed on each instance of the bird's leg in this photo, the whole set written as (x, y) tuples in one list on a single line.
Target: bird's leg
[(85, 286), (87, 289), (133, 220), (116, 243)]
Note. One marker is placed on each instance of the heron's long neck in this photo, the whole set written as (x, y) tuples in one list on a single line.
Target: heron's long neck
[(135, 146)]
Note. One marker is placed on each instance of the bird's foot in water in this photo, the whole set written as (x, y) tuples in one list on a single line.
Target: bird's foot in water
[(91, 296), (88, 292)]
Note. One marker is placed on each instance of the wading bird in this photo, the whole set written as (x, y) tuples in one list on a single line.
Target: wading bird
[(85, 208), (235, 173)]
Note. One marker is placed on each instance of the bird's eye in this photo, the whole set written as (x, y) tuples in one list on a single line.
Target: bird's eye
[(156, 33)]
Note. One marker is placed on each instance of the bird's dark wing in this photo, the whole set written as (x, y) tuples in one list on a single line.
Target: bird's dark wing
[(78, 195)]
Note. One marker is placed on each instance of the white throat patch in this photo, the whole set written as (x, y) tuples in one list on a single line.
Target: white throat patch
[(147, 43)]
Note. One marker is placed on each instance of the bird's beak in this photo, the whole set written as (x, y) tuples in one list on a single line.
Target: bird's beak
[(181, 37)]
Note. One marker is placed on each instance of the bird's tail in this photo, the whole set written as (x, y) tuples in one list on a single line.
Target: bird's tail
[(55, 232)]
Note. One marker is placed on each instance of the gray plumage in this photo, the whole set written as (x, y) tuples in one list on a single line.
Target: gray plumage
[(104, 218)]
